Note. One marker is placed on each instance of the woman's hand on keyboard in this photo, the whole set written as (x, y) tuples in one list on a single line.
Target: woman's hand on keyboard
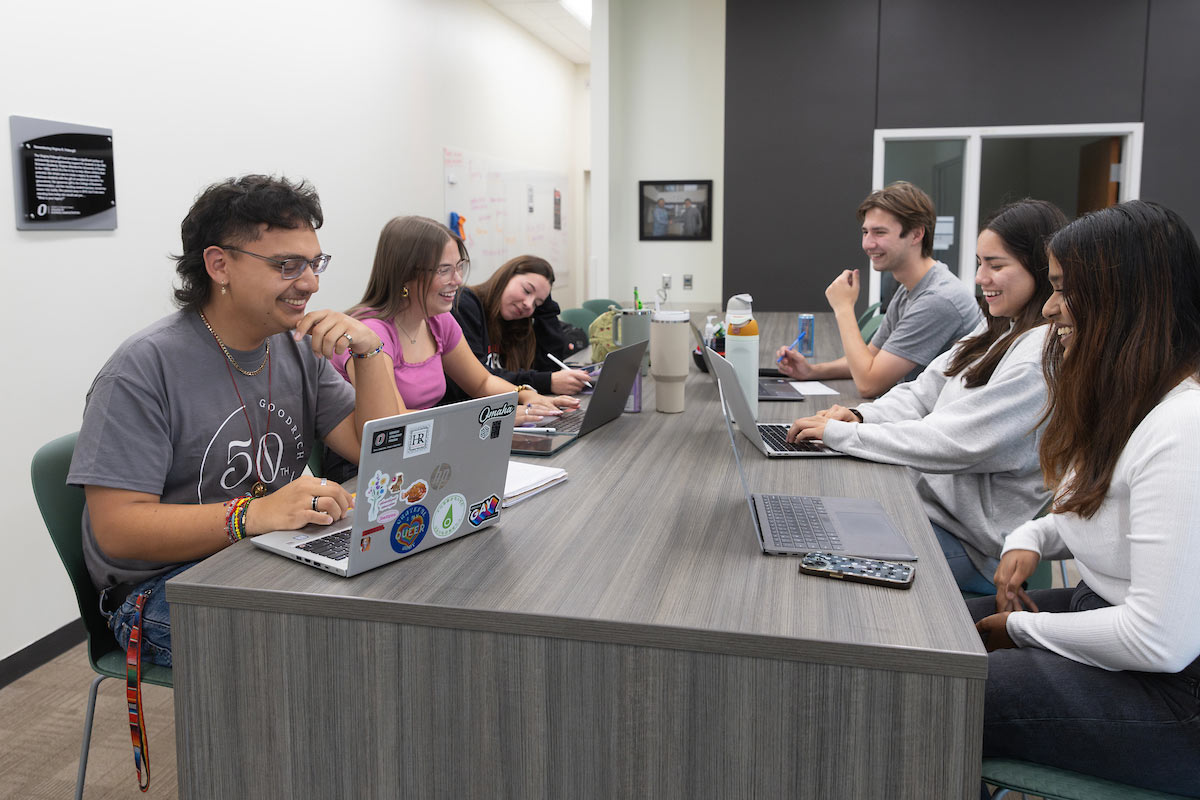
[(807, 428)]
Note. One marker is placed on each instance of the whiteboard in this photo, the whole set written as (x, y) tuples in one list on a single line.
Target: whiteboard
[(510, 210)]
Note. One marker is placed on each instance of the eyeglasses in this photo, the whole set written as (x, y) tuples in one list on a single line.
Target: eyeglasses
[(289, 268), (462, 268)]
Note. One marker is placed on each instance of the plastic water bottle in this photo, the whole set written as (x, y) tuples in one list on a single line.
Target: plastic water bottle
[(741, 345)]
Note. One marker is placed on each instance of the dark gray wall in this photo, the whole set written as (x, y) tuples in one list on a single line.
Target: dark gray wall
[(808, 82)]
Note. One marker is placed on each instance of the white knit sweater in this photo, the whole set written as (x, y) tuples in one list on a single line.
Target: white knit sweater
[(974, 452), (1140, 551)]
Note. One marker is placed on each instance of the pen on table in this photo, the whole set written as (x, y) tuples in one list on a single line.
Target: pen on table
[(792, 346), (565, 366), (523, 429)]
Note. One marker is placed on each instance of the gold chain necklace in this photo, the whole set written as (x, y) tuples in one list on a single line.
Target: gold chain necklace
[(232, 360)]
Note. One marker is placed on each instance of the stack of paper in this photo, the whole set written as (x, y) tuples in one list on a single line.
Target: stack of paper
[(526, 480)]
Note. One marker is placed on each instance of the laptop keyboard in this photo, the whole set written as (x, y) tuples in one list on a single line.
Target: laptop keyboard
[(569, 422), (776, 438), (799, 523), (335, 546)]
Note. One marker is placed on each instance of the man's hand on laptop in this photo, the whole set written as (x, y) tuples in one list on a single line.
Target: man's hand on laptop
[(793, 364), (304, 500)]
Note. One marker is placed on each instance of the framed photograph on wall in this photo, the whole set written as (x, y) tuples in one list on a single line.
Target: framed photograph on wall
[(675, 211)]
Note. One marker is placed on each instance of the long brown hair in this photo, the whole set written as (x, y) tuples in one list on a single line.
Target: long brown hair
[(1131, 280), (1024, 227), (408, 251), (512, 339)]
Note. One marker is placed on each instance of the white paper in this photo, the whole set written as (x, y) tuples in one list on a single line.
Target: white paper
[(525, 480), (812, 387)]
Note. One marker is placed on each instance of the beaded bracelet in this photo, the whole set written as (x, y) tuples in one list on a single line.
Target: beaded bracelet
[(239, 519), (374, 352), (230, 509), (235, 519)]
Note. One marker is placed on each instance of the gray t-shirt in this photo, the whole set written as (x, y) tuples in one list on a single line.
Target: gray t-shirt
[(162, 417), (922, 324)]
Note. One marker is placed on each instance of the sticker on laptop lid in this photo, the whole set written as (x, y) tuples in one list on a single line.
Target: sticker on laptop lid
[(488, 413), (484, 510), (416, 492), (418, 438), (409, 529), (387, 439), (375, 493), (449, 515)]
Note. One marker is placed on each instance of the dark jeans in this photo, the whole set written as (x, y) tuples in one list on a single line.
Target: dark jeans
[(1138, 728), (156, 618)]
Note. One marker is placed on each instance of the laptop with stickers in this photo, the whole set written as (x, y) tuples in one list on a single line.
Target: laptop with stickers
[(424, 478), (606, 404), (799, 524), (768, 437)]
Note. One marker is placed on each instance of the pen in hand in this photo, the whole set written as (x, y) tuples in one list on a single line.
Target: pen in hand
[(564, 366), (794, 345)]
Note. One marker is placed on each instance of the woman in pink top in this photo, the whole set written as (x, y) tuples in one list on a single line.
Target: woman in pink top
[(419, 268)]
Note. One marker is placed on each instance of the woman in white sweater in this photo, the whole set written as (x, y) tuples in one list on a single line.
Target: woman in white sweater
[(1104, 678), (968, 424)]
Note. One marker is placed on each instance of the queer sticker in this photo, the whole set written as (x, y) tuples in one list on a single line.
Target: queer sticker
[(409, 528)]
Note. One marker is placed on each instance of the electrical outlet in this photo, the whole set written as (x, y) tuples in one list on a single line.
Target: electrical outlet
[(687, 283), (666, 281)]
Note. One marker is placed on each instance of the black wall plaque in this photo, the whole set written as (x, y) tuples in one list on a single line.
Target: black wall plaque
[(68, 176), (64, 177)]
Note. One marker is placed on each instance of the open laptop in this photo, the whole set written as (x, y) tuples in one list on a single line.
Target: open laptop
[(798, 524), (606, 404), (424, 479), (769, 437), (772, 384)]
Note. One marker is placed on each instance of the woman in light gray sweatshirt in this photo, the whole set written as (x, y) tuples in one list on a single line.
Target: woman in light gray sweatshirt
[(968, 426)]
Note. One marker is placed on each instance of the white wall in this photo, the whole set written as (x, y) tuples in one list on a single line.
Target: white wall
[(359, 97), (666, 73)]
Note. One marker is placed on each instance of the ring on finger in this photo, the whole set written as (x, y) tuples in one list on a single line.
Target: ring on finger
[(314, 503), (324, 481)]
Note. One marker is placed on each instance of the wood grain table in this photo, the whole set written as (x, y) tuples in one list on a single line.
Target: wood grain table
[(621, 635)]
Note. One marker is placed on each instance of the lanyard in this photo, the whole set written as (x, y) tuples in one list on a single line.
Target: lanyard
[(133, 696)]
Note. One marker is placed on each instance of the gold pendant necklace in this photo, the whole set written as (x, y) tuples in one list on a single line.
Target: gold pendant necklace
[(411, 339)]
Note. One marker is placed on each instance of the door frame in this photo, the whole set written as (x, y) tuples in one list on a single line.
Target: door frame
[(1131, 134)]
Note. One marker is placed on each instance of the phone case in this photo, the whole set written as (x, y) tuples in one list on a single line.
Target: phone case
[(894, 574)]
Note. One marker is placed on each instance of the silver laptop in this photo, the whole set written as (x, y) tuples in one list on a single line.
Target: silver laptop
[(424, 478), (798, 524), (606, 404), (772, 384), (769, 437)]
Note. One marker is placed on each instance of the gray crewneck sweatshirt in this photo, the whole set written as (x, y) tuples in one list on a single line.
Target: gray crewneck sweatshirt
[(972, 452)]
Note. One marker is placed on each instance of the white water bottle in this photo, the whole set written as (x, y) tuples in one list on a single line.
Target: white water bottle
[(741, 345)]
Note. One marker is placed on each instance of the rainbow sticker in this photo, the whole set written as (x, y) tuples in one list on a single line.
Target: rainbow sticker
[(484, 510)]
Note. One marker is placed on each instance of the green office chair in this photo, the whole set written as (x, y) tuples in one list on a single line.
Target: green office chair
[(579, 317), (62, 509), (1053, 783), (866, 315), (599, 305), (868, 329)]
